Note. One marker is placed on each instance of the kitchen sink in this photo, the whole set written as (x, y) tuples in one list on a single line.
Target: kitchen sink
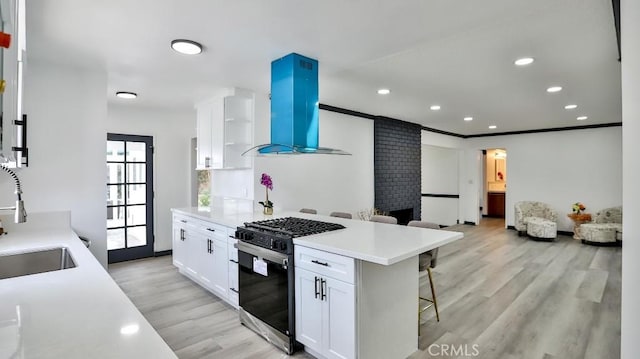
[(27, 263)]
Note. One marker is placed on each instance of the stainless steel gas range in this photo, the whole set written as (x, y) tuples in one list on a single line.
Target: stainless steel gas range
[(266, 277)]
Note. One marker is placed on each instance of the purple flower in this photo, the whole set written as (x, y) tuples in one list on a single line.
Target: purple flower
[(266, 181)]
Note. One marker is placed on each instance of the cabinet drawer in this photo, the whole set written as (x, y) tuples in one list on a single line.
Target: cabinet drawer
[(323, 263)]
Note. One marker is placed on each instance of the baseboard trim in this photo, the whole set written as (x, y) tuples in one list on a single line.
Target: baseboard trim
[(470, 223), (163, 253)]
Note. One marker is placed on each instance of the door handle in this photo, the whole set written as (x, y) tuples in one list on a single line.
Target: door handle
[(233, 290), (183, 221), (211, 230), (208, 245), (181, 234), (323, 289), (320, 263), (233, 261), (316, 285)]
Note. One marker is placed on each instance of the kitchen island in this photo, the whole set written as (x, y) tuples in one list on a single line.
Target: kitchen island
[(356, 289), (78, 312)]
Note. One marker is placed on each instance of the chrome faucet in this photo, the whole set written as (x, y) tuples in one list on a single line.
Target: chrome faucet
[(20, 212)]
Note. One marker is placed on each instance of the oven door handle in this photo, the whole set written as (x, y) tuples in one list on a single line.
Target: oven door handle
[(263, 253)]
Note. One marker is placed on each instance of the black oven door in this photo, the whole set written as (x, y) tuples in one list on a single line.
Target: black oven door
[(264, 285)]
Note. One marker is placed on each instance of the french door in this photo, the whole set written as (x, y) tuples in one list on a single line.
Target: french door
[(129, 197)]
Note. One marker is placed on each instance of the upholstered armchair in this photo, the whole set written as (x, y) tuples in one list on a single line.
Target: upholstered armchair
[(606, 227), (525, 210)]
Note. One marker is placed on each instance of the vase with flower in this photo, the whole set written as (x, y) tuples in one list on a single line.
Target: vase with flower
[(266, 181), (578, 208)]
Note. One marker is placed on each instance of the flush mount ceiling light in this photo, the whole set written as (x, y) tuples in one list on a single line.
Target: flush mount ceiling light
[(553, 89), (493, 127), (524, 61), (468, 119), (581, 118), (434, 107), (384, 92), (186, 47), (570, 107), (126, 95)]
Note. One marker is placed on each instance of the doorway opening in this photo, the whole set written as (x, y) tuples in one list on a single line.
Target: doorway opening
[(495, 183), (129, 197)]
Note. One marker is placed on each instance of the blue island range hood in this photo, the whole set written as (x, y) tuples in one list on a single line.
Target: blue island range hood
[(294, 109)]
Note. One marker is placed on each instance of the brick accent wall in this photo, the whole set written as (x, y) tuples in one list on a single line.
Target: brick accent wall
[(397, 151)]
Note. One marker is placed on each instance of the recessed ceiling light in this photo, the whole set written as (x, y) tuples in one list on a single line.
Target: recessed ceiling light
[(186, 47), (493, 127), (435, 107), (384, 92), (581, 118), (126, 94), (554, 89), (524, 61), (468, 118), (570, 107)]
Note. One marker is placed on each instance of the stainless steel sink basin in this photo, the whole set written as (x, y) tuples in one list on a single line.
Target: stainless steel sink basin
[(27, 263)]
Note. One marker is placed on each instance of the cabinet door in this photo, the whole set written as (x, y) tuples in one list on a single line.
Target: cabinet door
[(339, 318), (191, 245), (178, 248), (204, 261), (308, 309), (219, 264), (203, 135)]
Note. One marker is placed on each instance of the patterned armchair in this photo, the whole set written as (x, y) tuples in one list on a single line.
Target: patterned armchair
[(525, 210), (606, 227)]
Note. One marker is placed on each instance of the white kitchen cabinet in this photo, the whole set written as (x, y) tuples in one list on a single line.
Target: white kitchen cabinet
[(325, 308), (179, 245), (201, 252), (225, 130), (233, 268)]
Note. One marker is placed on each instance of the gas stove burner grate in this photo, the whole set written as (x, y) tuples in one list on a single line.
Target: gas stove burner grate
[(295, 227)]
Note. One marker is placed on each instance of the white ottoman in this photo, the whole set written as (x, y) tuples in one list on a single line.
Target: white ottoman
[(601, 233), (541, 228)]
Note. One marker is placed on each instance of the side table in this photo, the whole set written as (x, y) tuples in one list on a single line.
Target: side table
[(579, 219)]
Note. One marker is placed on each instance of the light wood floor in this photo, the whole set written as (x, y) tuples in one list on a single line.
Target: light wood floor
[(511, 297)]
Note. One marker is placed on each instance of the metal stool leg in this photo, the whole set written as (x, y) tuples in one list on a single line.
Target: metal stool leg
[(433, 293)]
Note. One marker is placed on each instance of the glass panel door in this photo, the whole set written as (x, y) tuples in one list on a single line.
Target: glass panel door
[(129, 197)]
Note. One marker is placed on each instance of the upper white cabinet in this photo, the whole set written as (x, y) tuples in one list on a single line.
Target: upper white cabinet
[(12, 21), (225, 130)]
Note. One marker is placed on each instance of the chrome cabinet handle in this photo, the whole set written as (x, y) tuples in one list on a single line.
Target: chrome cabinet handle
[(323, 289)]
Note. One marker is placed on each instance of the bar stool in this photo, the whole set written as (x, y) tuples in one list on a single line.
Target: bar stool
[(427, 260), (341, 215), (308, 210), (383, 219)]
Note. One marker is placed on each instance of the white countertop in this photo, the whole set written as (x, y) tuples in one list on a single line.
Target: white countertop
[(73, 313), (379, 243)]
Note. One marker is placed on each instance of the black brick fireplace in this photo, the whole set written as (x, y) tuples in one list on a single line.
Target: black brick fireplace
[(397, 162)]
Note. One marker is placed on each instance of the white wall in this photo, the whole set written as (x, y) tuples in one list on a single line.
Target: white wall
[(67, 113), (440, 175), (631, 177), (559, 168), (324, 182), (172, 132)]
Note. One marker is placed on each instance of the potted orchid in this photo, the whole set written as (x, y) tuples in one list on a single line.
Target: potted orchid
[(266, 181)]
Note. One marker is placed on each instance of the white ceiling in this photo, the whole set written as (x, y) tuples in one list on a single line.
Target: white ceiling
[(455, 53)]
